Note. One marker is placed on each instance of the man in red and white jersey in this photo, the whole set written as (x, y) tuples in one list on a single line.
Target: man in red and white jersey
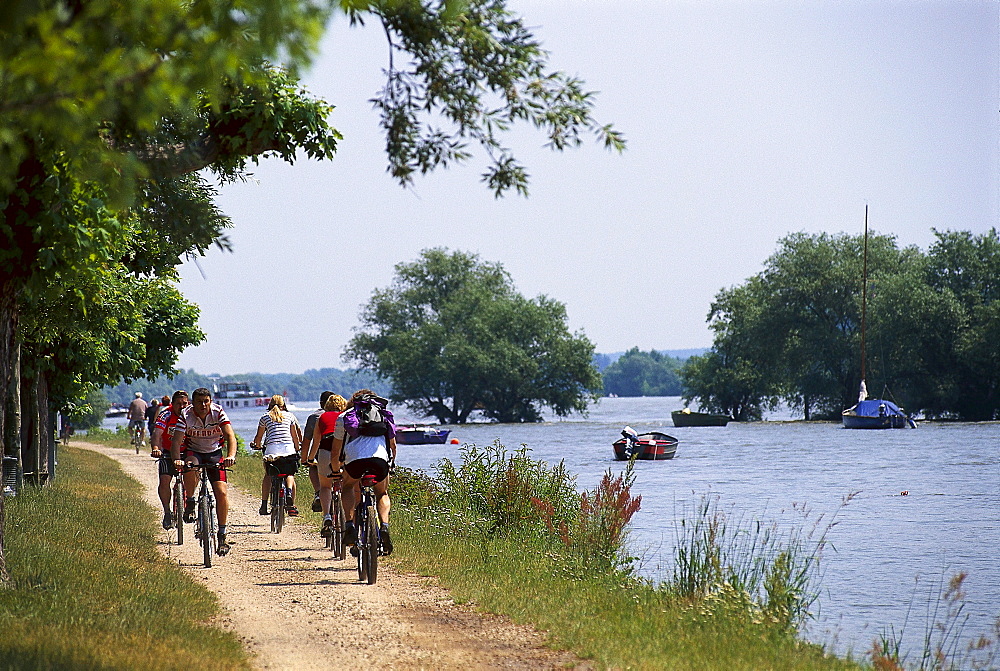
[(161, 439), (202, 428)]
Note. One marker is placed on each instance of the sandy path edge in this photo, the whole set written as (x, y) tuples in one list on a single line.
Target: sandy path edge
[(296, 608)]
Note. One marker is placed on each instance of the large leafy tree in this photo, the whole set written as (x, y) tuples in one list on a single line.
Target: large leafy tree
[(454, 336), (793, 331), (638, 373), (100, 101)]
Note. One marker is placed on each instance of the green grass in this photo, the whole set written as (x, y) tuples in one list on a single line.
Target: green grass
[(90, 589)]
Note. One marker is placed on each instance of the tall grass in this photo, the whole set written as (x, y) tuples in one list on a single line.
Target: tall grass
[(90, 589), (944, 645), (772, 570)]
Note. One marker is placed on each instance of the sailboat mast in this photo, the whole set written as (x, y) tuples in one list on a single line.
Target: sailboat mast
[(864, 298)]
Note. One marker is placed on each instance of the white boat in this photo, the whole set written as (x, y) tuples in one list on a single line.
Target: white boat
[(232, 395)]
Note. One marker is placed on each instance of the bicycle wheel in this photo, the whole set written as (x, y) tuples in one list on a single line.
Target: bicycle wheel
[(361, 546), (337, 537), (372, 544), (135, 440), (207, 529), (277, 505), (179, 510)]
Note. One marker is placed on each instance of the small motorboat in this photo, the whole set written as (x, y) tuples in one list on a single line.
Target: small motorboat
[(651, 446), (421, 435), (687, 418)]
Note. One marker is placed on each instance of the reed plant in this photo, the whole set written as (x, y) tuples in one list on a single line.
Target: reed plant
[(944, 645), (89, 588)]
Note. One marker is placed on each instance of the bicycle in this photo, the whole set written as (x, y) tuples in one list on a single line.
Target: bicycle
[(335, 540), (178, 506), (280, 494), (136, 435), (205, 529), (369, 545)]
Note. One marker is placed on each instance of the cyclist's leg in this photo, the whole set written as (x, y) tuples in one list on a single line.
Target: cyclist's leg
[(382, 501), (290, 484), (221, 488), (348, 495)]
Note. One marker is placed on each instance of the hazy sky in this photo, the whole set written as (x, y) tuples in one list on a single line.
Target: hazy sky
[(746, 121)]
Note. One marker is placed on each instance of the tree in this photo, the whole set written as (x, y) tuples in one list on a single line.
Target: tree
[(101, 104), (638, 373), (454, 336)]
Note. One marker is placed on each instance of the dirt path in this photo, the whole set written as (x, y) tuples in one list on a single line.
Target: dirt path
[(325, 617)]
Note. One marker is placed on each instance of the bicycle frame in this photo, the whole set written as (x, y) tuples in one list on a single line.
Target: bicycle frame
[(278, 497)]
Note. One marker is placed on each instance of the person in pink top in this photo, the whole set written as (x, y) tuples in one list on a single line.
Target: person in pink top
[(202, 428)]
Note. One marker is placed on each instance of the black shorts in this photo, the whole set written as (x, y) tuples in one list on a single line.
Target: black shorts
[(326, 442), (287, 465), (214, 458), (377, 467), (167, 466)]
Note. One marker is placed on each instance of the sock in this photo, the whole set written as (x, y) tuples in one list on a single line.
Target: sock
[(350, 524), (327, 517), (384, 526), (222, 529)]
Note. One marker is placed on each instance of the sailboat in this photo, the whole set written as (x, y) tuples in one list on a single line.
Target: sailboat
[(872, 413)]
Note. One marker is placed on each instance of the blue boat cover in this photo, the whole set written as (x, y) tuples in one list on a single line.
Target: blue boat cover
[(870, 408)]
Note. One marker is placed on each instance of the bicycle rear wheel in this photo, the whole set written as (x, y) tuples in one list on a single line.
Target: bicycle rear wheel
[(277, 505), (179, 510), (360, 546), (372, 544), (337, 537), (207, 529)]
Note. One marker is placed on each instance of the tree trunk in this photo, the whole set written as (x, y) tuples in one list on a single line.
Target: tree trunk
[(8, 380)]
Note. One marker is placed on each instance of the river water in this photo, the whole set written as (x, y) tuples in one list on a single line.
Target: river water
[(886, 551)]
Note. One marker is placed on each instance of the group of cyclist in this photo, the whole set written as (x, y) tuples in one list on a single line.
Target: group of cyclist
[(194, 430)]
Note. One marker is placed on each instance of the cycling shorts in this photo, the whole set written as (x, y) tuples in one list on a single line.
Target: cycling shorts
[(167, 466), (377, 467), (326, 442), (215, 458), (133, 423)]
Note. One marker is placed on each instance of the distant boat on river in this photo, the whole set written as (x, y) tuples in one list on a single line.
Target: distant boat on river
[(421, 435), (875, 413), (651, 446), (687, 418), (231, 395)]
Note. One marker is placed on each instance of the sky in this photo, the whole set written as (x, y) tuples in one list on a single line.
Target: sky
[(745, 120)]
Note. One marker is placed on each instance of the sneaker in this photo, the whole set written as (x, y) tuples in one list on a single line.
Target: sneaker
[(263, 509), (223, 547), (327, 530), (292, 511), (168, 520), (189, 515), (386, 542), (350, 535), (317, 507)]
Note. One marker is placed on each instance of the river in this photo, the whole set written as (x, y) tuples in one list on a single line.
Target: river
[(886, 551)]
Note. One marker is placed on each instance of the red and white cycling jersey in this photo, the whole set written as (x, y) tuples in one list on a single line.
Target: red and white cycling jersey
[(165, 422), (201, 435)]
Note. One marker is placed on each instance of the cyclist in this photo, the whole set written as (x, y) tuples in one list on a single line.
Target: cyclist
[(364, 454), (282, 436), (137, 416), (161, 439), (321, 446), (202, 428), (307, 436), (152, 410)]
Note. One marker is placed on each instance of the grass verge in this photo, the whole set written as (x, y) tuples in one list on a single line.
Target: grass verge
[(90, 589)]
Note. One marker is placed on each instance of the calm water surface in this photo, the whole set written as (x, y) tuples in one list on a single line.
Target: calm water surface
[(882, 544)]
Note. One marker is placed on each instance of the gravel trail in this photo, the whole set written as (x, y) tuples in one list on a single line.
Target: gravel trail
[(296, 608)]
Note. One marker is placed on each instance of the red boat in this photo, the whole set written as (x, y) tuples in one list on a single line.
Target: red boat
[(652, 446)]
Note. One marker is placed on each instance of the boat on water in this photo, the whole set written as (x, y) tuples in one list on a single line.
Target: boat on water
[(872, 413), (686, 417), (421, 435), (116, 410), (231, 395), (651, 446)]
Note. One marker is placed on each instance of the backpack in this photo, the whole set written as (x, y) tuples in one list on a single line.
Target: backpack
[(368, 417)]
